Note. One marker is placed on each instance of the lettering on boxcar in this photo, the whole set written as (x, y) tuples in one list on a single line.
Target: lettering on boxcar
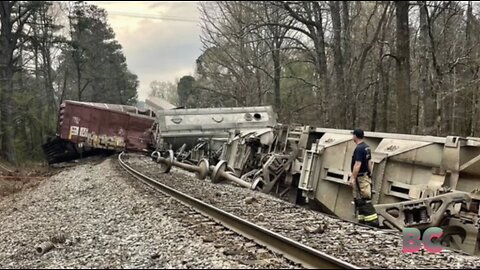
[(73, 131), (83, 132)]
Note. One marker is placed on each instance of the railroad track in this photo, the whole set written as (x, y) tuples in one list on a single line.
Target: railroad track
[(358, 245), (293, 250)]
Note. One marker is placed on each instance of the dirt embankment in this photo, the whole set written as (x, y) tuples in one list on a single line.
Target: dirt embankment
[(13, 180)]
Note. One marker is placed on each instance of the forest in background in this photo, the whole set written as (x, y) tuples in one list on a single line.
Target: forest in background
[(51, 52), (392, 66)]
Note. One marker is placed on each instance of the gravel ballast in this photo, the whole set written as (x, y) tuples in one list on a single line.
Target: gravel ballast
[(97, 217), (358, 245)]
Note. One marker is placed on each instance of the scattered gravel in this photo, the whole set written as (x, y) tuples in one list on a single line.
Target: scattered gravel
[(358, 245), (97, 218)]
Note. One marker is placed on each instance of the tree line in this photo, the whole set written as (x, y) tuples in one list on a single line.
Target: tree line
[(49, 52), (392, 66)]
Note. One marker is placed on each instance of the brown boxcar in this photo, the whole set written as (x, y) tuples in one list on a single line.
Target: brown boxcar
[(87, 127)]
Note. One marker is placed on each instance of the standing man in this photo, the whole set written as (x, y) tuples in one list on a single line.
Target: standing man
[(361, 181)]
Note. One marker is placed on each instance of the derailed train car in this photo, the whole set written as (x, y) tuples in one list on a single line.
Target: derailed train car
[(198, 133), (419, 181), (89, 128)]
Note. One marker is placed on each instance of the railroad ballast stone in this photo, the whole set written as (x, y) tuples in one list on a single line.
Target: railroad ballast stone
[(99, 218), (358, 245)]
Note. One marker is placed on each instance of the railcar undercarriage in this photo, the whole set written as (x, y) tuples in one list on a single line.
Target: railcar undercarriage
[(419, 181)]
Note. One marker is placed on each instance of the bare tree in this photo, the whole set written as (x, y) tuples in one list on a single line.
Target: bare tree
[(310, 15), (341, 97), (402, 58), (34, 78), (13, 17)]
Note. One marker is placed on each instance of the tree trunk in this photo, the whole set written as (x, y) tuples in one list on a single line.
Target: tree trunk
[(373, 125), (7, 147), (350, 122), (476, 114), (79, 81), (404, 108), (423, 67), (7, 47), (276, 74), (474, 102), (386, 101), (321, 63), (384, 74), (340, 103)]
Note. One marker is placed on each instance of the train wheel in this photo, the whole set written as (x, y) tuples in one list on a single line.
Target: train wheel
[(220, 167), (167, 161), (204, 166)]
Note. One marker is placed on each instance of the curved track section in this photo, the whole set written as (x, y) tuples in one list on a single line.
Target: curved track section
[(295, 251)]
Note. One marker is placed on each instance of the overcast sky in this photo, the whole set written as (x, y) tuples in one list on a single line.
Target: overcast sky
[(162, 50)]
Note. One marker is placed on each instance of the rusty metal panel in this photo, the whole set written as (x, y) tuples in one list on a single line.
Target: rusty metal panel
[(136, 137), (98, 127), (117, 107)]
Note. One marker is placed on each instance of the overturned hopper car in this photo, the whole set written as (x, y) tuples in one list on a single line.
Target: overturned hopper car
[(202, 132), (419, 181), (89, 128)]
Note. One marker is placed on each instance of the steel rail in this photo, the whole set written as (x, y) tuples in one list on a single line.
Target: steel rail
[(293, 250)]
